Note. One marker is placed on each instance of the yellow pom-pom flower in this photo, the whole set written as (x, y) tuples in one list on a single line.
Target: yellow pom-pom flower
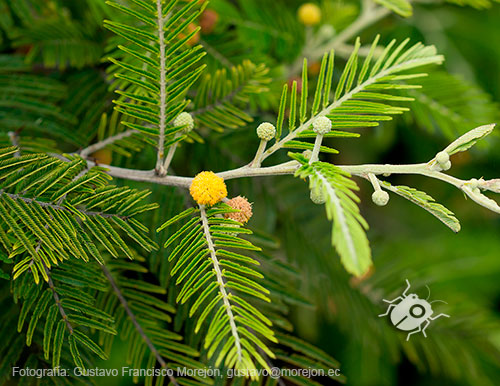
[(208, 188), (309, 14)]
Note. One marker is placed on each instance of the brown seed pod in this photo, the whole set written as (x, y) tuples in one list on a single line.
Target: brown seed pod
[(208, 21), (244, 207), (314, 68)]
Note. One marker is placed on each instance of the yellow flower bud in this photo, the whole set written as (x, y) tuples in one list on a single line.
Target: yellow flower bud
[(309, 14), (208, 188)]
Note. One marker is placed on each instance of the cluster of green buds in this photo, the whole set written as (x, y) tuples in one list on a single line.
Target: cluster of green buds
[(443, 160)]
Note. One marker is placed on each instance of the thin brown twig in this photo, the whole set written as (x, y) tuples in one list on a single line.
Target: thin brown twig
[(44, 204), (14, 139), (106, 142), (57, 299), (136, 324), (163, 90)]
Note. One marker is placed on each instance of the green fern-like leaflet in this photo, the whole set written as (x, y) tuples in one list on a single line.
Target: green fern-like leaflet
[(221, 284), (55, 210)]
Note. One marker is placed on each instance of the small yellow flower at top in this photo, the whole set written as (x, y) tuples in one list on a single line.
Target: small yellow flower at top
[(208, 188), (309, 14)]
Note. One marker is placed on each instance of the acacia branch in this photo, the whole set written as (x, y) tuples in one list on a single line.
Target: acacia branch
[(14, 139), (57, 299), (281, 169), (423, 169), (44, 204), (134, 321), (102, 144), (220, 281), (293, 134), (163, 90), (368, 16)]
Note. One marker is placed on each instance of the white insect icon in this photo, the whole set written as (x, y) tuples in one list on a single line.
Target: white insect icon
[(411, 313)]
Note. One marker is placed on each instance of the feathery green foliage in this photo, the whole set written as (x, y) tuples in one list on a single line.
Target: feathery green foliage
[(86, 91), (226, 281), (67, 316), (349, 227), (442, 353), (450, 105), (79, 262), (31, 103), (222, 97), (60, 43), (155, 65), (258, 30), (426, 202), (364, 95), (142, 317), (53, 35), (55, 210)]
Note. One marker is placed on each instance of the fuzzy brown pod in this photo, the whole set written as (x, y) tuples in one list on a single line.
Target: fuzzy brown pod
[(243, 205)]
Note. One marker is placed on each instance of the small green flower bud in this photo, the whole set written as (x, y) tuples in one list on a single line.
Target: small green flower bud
[(184, 119), (380, 197), (322, 125), (442, 157), (326, 32), (317, 197), (446, 165), (474, 183), (266, 131)]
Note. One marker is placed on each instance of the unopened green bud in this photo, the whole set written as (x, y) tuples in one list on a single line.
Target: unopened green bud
[(380, 197), (266, 131), (322, 125), (318, 197), (184, 119)]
